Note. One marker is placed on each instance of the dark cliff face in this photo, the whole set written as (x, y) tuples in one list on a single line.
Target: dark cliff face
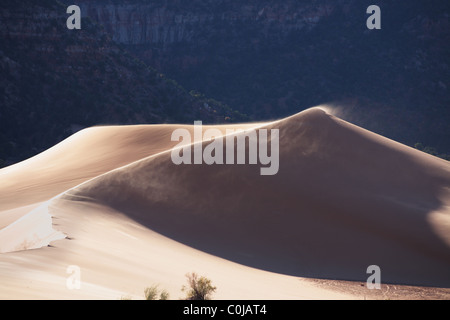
[(55, 81), (273, 58), (170, 22)]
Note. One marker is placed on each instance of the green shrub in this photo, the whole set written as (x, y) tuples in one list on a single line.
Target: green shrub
[(164, 295), (151, 293), (199, 288)]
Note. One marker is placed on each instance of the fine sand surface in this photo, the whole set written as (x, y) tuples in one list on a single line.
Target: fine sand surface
[(84, 155), (343, 199)]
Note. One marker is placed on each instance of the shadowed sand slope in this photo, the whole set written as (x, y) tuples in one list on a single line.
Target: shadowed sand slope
[(119, 257), (343, 199)]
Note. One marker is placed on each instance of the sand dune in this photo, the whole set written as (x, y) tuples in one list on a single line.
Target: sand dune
[(84, 155), (343, 199)]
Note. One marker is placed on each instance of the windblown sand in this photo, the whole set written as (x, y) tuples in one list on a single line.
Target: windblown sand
[(110, 201)]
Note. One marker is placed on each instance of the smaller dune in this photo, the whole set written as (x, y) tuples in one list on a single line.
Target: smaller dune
[(33, 230)]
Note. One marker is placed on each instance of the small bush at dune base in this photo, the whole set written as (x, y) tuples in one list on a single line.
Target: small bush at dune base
[(199, 288), (164, 295), (151, 293)]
